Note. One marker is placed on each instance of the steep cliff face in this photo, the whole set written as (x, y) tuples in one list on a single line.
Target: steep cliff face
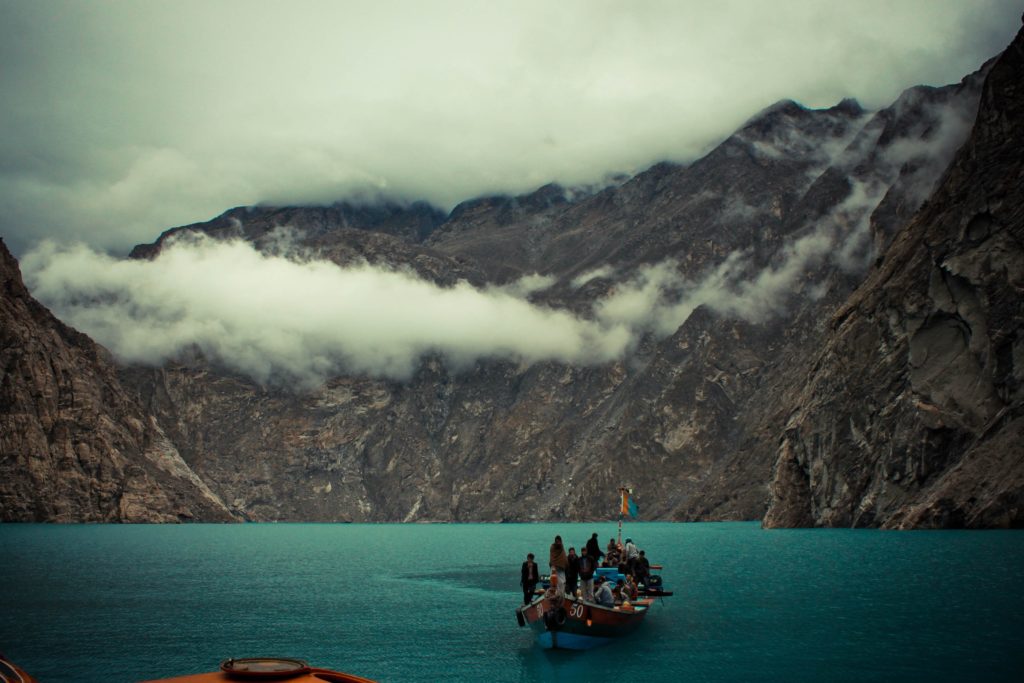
[(74, 446), (499, 442), (912, 415)]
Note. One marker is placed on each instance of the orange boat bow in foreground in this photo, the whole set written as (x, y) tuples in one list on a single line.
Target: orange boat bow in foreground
[(312, 676), (260, 669), (267, 669), (9, 673)]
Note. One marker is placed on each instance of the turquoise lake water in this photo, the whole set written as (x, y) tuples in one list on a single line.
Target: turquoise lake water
[(435, 602)]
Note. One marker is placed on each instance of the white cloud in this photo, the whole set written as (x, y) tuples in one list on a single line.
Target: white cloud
[(279, 320), (658, 298), (526, 285), (931, 149), (282, 316), (593, 274)]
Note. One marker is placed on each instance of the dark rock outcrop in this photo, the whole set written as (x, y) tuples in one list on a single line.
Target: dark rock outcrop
[(913, 414)]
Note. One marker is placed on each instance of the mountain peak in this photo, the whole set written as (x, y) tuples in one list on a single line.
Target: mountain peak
[(849, 106)]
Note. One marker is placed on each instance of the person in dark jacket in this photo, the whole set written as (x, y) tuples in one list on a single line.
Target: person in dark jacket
[(641, 568), (594, 550), (587, 565), (530, 577), (572, 572)]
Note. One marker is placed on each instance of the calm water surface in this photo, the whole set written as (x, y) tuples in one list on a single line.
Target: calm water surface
[(435, 602)]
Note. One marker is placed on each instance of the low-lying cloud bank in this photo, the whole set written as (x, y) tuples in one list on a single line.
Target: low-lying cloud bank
[(285, 318), (279, 320)]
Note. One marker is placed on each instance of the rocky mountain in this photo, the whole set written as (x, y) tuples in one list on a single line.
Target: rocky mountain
[(413, 223), (738, 269), (913, 414), (75, 446)]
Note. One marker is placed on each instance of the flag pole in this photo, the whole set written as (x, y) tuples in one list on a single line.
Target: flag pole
[(622, 501)]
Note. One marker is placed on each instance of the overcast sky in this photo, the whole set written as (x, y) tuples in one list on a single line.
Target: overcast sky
[(120, 119)]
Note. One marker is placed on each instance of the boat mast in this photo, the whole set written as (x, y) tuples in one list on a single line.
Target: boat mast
[(623, 492)]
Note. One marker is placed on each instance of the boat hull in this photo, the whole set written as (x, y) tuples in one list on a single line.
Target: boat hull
[(11, 673), (573, 624)]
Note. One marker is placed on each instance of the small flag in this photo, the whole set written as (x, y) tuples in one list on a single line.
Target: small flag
[(629, 506)]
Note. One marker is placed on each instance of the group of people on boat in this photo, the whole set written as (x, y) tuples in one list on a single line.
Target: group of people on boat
[(576, 575)]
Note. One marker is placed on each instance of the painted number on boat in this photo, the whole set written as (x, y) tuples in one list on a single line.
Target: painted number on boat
[(576, 611)]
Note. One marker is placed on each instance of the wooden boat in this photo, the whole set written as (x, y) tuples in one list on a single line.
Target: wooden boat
[(257, 669), (572, 624)]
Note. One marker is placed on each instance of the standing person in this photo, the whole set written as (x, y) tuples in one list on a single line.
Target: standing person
[(632, 553), (572, 572), (594, 549), (642, 568), (559, 562), (587, 565), (530, 577)]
